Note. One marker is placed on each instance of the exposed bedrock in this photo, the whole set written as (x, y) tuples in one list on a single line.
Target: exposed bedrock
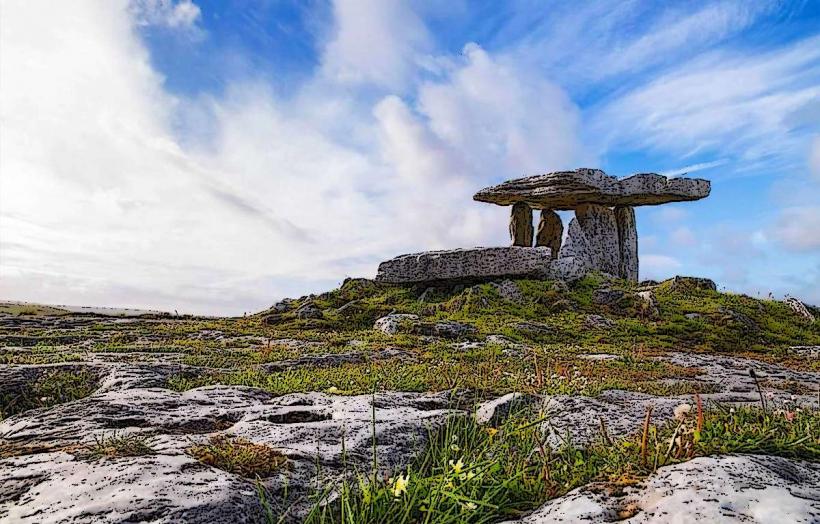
[(601, 231), (521, 225), (628, 241), (550, 230)]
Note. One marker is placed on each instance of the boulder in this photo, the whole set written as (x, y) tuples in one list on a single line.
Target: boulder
[(308, 310), (601, 232), (396, 323), (598, 322), (550, 231), (481, 263), (570, 189), (681, 284), (607, 297), (799, 308), (495, 412), (521, 225), (651, 308), (729, 488), (508, 290), (628, 242)]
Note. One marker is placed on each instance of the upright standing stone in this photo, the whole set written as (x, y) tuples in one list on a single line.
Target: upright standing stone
[(574, 259), (521, 225), (550, 230), (628, 239), (601, 232)]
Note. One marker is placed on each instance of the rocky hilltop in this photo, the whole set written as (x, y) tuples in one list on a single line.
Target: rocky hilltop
[(511, 400)]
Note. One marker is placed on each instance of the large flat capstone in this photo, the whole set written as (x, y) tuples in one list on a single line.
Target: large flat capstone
[(466, 264), (565, 190)]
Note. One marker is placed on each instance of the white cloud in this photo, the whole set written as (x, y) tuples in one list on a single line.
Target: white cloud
[(720, 103), (175, 14), (814, 157), (658, 267), (377, 42), (798, 228), (101, 204), (670, 214), (684, 237), (694, 168)]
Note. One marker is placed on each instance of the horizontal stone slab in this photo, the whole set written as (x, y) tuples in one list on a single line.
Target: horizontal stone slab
[(466, 265), (565, 190)]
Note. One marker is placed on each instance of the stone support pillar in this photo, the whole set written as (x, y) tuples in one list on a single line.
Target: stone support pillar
[(601, 231), (521, 225), (550, 230), (628, 239)]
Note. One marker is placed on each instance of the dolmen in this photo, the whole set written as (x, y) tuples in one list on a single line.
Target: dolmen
[(602, 236)]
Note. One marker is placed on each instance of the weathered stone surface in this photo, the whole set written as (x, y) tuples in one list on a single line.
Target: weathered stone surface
[(651, 307), (396, 323), (681, 284), (605, 296), (404, 323), (309, 310), (323, 436), (598, 322), (495, 412), (508, 290), (570, 189), (521, 225), (726, 489), (479, 263), (601, 233), (799, 308), (574, 259), (628, 242), (550, 231)]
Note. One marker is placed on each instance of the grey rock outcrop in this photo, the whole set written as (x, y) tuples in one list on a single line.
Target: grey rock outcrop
[(550, 231), (49, 479), (466, 264), (497, 411), (396, 323), (799, 308), (628, 242), (521, 225), (570, 189), (681, 284), (730, 488)]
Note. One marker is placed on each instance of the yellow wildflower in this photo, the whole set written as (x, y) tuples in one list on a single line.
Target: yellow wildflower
[(457, 466), (400, 485)]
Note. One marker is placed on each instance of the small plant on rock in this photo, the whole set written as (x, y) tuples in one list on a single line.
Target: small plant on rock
[(120, 446), (240, 456)]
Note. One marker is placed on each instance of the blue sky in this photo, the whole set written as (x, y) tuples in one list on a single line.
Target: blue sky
[(213, 156)]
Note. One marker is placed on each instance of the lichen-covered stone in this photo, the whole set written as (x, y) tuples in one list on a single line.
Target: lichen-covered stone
[(628, 242), (799, 308), (479, 263), (601, 232), (731, 488), (550, 231), (574, 259), (521, 225), (570, 189)]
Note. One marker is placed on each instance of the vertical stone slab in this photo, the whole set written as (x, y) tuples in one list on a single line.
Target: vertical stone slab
[(601, 232), (521, 225), (550, 231), (574, 259), (628, 238)]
